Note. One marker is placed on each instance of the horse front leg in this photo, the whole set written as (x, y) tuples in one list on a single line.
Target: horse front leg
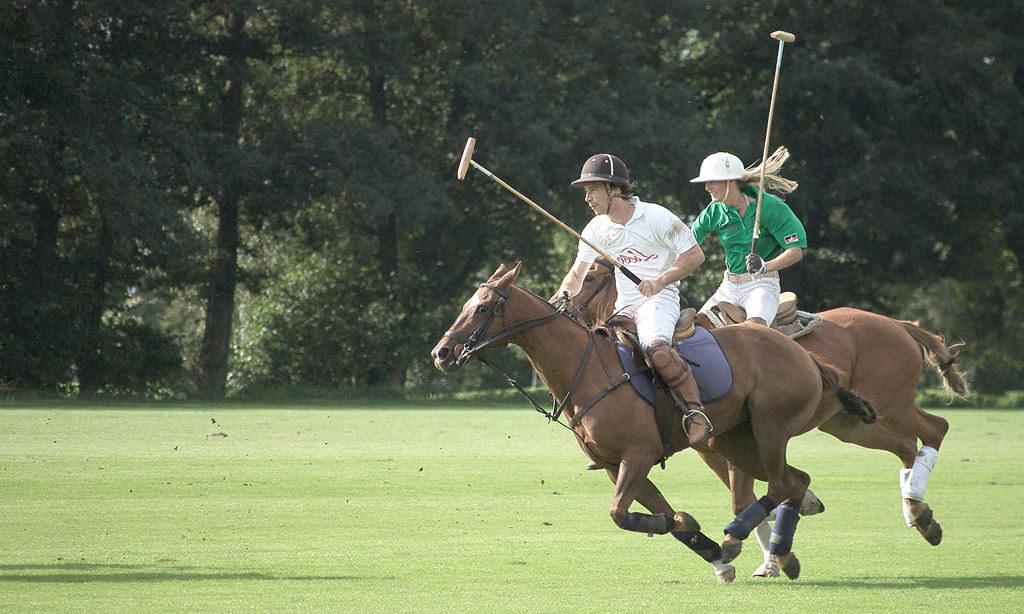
[(630, 483), (746, 461), (687, 530)]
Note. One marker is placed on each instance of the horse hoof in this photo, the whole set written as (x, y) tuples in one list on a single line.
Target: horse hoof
[(730, 551), (811, 505), (768, 569), (727, 575), (932, 533), (930, 530), (792, 567)]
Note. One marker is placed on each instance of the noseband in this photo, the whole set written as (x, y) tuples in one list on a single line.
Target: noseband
[(470, 346)]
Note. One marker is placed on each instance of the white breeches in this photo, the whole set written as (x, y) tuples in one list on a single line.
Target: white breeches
[(655, 317), (759, 297)]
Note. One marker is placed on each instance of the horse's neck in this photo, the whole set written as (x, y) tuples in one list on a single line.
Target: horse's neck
[(555, 349)]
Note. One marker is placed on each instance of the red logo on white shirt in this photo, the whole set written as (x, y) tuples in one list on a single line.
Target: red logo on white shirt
[(632, 256)]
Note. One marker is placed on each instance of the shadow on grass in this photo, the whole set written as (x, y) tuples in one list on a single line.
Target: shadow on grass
[(83, 573), (934, 583)]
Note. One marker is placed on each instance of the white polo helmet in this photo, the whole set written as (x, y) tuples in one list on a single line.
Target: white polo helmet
[(719, 166)]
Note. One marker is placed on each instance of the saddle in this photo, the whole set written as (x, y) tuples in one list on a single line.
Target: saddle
[(624, 327), (789, 320), (696, 346)]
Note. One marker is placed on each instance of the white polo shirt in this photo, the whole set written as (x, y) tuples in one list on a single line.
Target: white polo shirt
[(647, 245)]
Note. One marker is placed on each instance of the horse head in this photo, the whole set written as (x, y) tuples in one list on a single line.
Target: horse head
[(482, 315), (595, 301)]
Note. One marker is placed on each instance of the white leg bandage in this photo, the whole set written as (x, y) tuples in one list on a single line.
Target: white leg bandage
[(914, 481), (763, 533)]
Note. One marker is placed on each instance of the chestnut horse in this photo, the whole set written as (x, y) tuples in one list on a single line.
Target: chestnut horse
[(777, 388), (878, 359)]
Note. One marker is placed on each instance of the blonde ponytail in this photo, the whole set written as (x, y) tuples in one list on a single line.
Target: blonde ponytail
[(772, 179)]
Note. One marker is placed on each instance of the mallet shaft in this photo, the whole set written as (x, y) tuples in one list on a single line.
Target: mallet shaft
[(629, 274), (783, 38)]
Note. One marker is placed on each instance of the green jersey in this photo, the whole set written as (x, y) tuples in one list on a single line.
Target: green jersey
[(780, 229)]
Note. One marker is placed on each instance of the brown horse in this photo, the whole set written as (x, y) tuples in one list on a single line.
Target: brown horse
[(877, 358), (777, 387)]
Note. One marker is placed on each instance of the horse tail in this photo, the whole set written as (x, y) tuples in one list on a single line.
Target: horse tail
[(941, 357), (851, 402)]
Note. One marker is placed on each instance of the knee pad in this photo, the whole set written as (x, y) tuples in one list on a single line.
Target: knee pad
[(668, 363)]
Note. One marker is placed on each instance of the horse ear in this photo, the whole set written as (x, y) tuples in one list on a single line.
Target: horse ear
[(497, 272), (510, 277)]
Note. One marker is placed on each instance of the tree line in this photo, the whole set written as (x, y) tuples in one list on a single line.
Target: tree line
[(225, 197)]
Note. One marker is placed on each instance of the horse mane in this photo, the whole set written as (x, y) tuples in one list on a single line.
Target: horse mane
[(605, 310), (851, 402), (541, 299)]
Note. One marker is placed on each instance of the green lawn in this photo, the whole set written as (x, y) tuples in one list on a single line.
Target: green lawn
[(461, 510)]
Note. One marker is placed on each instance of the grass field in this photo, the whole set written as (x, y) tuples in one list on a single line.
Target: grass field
[(220, 509)]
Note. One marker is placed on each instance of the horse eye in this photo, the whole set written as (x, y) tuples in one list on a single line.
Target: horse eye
[(588, 279), (482, 309)]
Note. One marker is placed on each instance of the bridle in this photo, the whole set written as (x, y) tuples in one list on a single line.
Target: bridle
[(472, 347)]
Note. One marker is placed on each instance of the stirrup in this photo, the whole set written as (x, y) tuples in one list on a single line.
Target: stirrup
[(711, 427)]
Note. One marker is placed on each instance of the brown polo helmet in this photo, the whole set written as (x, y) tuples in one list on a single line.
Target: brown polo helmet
[(604, 168)]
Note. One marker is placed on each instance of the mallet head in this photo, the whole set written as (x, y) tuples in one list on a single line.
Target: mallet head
[(467, 155), (785, 37)]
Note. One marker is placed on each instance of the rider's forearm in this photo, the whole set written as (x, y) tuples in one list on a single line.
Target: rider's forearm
[(787, 258), (685, 264)]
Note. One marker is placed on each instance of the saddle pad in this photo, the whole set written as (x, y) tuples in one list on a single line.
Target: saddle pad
[(714, 376)]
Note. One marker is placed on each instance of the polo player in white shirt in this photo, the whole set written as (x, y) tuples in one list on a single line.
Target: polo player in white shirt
[(656, 245)]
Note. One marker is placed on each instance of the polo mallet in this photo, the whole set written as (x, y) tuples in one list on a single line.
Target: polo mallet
[(467, 159), (783, 38)]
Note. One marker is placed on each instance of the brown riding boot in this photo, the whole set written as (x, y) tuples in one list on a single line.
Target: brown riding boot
[(678, 377)]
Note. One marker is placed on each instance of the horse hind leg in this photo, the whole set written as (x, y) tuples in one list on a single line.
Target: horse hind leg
[(913, 482), (917, 464)]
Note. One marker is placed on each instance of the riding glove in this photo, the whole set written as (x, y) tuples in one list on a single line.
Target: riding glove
[(756, 265)]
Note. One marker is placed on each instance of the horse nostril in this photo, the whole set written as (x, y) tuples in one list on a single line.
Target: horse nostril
[(442, 353)]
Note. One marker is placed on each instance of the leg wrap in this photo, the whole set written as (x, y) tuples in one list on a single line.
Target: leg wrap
[(786, 518), (913, 481), (756, 512), (701, 544), (763, 534), (659, 524)]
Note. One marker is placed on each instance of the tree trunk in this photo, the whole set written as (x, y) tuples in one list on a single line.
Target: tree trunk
[(214, 356)]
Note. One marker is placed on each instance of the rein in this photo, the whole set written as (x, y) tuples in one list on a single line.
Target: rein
[(472, 347)]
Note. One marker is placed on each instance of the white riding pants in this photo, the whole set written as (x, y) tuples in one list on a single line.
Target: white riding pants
[(759, 297), (655, 317)]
